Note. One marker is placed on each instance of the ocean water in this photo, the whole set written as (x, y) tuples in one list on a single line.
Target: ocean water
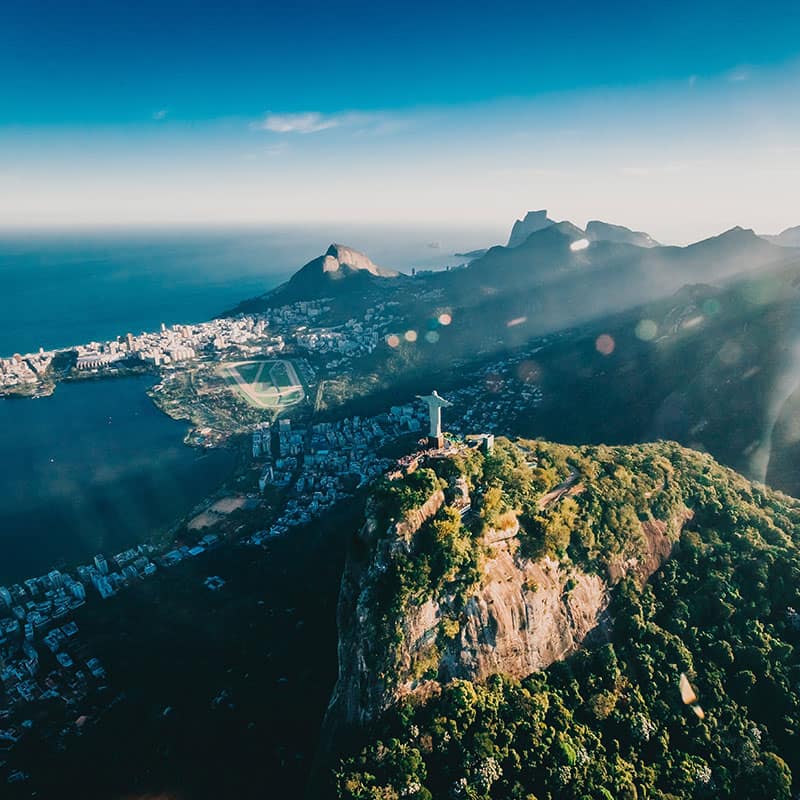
[(93, 468), (96, 467), (66, 288)]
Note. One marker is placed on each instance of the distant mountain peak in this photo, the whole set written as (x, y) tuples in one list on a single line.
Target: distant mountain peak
[(533, 221), (787, 238), (735, 234), (735, 243), (338, 270), (597, 230), (339, 255), (555, 234), (566, 228)]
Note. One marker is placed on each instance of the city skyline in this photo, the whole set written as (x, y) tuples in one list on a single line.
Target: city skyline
[(656, 118)]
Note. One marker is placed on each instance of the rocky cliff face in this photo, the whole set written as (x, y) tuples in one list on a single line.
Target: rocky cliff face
[(336, 263), (521, 615), (339, 255), (362, 689), (339, 271), (533, 221)]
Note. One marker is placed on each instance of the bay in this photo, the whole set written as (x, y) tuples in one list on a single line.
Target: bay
[(93, 468)]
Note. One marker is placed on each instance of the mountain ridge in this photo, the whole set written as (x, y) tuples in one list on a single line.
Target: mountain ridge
[(533, 221), (597, 230), (787, 238), (339, 271), (543, 255)]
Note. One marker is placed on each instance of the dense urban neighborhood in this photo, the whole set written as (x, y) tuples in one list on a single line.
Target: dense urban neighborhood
[(250, 381), (267, 334)]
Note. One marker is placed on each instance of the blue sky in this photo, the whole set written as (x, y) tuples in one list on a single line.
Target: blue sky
[(682, 118)]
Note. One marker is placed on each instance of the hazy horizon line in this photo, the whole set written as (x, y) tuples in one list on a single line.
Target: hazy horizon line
[(210, 226)]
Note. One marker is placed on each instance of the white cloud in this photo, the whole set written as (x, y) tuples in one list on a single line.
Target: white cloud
[(160, 114), (314, 121), (306, 122)]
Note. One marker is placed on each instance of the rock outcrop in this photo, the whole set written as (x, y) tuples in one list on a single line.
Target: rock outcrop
[(340, 272), (533, 221), (362, 688), (522, 615), (338, 262)]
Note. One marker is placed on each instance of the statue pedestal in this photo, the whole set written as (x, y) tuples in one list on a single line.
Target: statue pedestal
[(436, 442)]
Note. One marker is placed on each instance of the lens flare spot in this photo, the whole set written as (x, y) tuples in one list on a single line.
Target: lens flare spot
[(432, 337), (410, 336), (693, 322), (604, 344), (393, 340), (529, 372), (579, 244), (445, 318), (730, 353), (512, 323), (646, 330)]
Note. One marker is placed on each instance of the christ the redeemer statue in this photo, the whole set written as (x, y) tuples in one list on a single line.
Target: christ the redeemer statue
[(435, 405)]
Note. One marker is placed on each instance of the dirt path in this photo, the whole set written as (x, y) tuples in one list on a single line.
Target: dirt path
[(565, 487)]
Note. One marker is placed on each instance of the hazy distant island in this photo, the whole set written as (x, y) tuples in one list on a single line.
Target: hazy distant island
[(472, 254)]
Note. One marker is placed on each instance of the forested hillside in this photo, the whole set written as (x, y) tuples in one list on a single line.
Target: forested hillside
[(689, 688)]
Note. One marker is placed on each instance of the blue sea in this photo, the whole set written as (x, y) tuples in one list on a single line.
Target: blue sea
[(96, 467)]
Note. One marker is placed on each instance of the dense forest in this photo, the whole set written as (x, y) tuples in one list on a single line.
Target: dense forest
[(693, 691)]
